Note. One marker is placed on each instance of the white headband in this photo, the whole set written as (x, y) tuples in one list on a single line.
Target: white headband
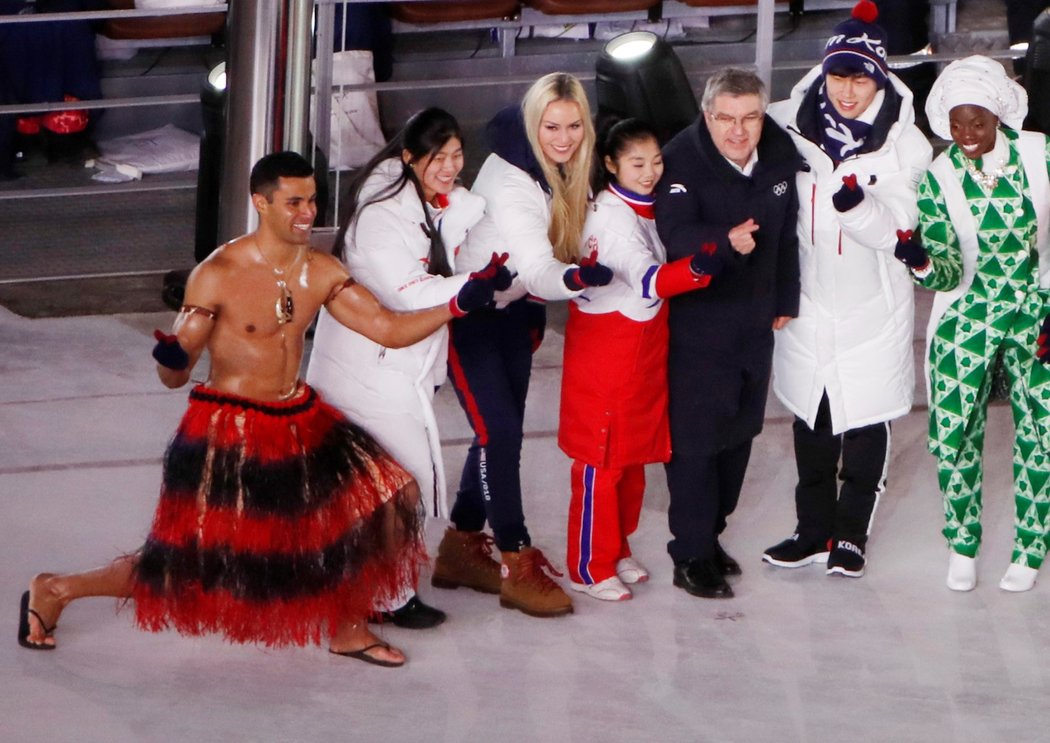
[(975, 81)]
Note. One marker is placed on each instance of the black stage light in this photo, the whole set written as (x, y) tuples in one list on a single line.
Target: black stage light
[(1037, 74), (639, 75), (209, 167), (209, 176)]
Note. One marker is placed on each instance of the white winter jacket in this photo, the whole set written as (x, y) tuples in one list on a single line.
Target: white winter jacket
[(517, 217), (630, 246), (386, 251), (853, 335)]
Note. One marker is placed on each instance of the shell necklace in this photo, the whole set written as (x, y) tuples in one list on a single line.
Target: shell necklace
[(987, 179), (995, 162), (284, 308)]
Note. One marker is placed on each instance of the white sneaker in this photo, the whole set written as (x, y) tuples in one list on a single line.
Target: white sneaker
[(610, 589), (962, 572), (630, 570), (1018, 578)]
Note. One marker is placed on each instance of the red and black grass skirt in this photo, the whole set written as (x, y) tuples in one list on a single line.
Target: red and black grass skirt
[(277, 522)]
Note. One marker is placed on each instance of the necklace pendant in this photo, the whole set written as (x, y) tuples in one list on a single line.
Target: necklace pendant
[(284, 307), (987, 180)]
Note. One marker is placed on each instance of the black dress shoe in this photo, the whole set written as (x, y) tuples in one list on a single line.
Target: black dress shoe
[(702, 578), (726, 564), (413, 615)]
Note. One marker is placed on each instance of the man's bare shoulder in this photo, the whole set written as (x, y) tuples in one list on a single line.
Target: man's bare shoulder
[(326, 261), (328, 272), (206, 282)]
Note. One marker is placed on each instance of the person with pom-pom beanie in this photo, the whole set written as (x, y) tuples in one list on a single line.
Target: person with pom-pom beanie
[(845, 366)]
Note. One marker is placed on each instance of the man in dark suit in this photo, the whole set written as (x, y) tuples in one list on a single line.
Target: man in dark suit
[(729, 181)]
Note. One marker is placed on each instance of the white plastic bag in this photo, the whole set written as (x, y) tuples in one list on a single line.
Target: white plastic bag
[(355, 131), (164, 150)]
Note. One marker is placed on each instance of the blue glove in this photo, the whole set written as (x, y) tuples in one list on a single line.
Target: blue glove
[(169, 353), (705, 262), (909, 250), (589, 273), (849, 195), (481, 286)]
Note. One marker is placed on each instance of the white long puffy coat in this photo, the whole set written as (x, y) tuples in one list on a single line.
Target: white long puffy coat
[(389, 392), (854, 333)]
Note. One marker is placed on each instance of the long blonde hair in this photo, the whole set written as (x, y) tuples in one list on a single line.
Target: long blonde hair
[(570, 184)]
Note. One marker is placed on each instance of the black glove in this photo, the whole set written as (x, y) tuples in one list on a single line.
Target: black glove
[(849, 195), (909, 250), (481, 286), (589, 273), (169, 353), (705, 262), (1043, 351)]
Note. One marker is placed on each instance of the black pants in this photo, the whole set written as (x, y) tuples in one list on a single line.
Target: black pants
[(858, 458), (490, 362), (704, 490)]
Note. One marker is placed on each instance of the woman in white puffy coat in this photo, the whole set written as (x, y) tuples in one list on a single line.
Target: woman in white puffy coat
[(408, 218), (535, 185), (845, 365)]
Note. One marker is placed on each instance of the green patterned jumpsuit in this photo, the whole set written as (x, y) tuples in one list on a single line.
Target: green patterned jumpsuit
[(998, 315)]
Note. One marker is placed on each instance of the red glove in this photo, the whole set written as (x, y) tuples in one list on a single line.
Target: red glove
[(169, 353), (1043, 351)]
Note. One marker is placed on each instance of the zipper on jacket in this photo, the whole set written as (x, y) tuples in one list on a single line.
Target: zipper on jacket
[(840, 242), (813, 216)]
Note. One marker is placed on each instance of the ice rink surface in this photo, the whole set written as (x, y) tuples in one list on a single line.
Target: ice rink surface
[(796, 656)]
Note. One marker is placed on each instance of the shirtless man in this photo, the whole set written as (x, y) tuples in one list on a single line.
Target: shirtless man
[(279, 520)]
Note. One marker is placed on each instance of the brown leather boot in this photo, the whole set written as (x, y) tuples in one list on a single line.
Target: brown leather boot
[(526, 585), (464, 558)]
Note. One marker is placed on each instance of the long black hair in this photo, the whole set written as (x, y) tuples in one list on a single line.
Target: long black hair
[(422, 136), (614, 139)]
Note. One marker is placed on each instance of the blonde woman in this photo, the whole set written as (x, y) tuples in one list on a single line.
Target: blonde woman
[(536, 190)]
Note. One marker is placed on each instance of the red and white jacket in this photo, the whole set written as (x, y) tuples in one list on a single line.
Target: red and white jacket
[(614, 380)]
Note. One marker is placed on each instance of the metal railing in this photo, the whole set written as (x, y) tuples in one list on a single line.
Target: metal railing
[(142, 101)]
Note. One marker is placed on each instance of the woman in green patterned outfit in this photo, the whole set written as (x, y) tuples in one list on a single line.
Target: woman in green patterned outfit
[(983, 217)]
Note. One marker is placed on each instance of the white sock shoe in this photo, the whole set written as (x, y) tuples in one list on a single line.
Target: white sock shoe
[(631, 571), (610, 589), (962, 572), (1018, 578)]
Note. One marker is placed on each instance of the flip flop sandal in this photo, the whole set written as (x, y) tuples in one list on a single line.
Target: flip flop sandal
[(362, 654), (23, 627)]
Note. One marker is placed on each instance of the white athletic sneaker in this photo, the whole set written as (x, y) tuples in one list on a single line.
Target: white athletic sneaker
[(1018, 578), (630, 570), (962, 572), (610, 589)]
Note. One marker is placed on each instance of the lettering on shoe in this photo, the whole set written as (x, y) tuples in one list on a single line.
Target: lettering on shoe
[(849, 547)]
